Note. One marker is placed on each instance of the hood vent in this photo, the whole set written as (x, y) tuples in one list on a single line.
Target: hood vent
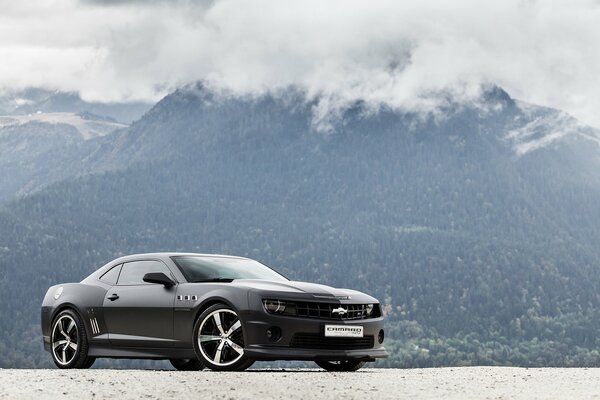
[(322, 296)]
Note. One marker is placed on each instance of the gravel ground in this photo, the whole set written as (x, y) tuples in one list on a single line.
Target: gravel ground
[(435, 383)]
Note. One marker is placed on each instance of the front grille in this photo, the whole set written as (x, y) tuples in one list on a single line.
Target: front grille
[(325, 311), (317, 341)]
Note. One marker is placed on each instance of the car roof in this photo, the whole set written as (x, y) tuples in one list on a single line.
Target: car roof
[(162, 255), (141, 256)]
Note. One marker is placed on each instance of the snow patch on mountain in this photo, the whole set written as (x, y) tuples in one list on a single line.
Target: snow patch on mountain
[(539, 127), (88, 128)]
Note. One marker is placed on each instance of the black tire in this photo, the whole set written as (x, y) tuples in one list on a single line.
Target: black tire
[(68, 341), (341, 366), (187, 364), (89, 363), (220, 347)]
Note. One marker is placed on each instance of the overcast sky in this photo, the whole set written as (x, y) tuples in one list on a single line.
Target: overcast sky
[(399, 53)]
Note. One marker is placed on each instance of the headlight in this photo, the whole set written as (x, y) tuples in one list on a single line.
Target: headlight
[(369, 309), (274, 306)]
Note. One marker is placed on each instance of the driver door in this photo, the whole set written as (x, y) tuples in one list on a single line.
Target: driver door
[(137, 313)]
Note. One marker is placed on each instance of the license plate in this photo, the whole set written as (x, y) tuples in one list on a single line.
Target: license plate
[(343, 331)]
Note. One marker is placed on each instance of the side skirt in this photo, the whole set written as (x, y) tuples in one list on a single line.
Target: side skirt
[(139, 352)]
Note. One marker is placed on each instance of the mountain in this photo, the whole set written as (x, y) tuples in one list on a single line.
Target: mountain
[(477, 228), (34, 100), (43, 135), (35, 154)]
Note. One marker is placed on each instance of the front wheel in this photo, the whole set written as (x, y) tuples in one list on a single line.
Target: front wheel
[(341, 366), (219, 339), (188, 364)]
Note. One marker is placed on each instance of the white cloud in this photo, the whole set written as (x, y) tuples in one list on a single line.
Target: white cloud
[(397, 53)]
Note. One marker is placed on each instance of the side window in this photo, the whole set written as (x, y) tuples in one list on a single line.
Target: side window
[(111, 275), (132, 273)]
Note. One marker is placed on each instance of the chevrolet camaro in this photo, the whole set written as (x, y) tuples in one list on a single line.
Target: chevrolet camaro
[(215, 311)]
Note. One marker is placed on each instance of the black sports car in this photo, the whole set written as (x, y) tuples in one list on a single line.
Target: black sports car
[(199, 310)]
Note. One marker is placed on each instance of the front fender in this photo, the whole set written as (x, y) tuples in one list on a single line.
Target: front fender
[(188, 308)]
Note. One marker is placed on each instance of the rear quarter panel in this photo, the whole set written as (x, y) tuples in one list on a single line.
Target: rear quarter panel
[(85, 299)]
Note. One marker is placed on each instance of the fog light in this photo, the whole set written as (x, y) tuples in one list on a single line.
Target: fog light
[(274, 334), (381, 336)]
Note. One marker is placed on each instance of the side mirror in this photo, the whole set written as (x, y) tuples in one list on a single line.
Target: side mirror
[(158, 277)]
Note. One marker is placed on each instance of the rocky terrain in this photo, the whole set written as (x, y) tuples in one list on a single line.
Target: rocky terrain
[(368, 383)]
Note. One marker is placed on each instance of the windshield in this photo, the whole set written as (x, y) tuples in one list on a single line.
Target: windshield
[(214, 269)]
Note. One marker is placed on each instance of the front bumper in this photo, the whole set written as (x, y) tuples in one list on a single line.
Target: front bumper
[(258, 345), (272, 353)]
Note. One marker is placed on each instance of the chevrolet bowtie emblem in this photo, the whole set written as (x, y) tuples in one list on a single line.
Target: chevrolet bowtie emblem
[(339, 310)]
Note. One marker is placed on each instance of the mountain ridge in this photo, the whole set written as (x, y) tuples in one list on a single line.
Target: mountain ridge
[(478, 254), (34, 100)]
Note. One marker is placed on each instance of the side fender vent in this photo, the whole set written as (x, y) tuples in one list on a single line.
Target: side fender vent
[(94, 325)]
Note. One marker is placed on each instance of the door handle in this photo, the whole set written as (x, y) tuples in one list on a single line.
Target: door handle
[(113, 297)]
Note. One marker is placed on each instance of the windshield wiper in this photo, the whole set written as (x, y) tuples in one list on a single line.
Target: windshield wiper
[(215, 280)]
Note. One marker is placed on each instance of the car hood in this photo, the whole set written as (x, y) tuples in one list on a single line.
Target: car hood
[(303, 290)]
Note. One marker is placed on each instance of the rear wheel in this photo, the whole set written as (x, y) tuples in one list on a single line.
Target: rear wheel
[(90, 361), (339, 366), (68, 340), (187, 364), (219, 339)]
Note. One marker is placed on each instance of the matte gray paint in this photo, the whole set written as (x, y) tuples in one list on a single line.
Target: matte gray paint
[(148, 321)]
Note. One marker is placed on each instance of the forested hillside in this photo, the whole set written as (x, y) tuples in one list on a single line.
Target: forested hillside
[(45, 136), (480, 254)]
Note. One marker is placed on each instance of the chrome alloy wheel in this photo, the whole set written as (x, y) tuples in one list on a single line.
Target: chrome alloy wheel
[(220, 338), (65, 340)]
